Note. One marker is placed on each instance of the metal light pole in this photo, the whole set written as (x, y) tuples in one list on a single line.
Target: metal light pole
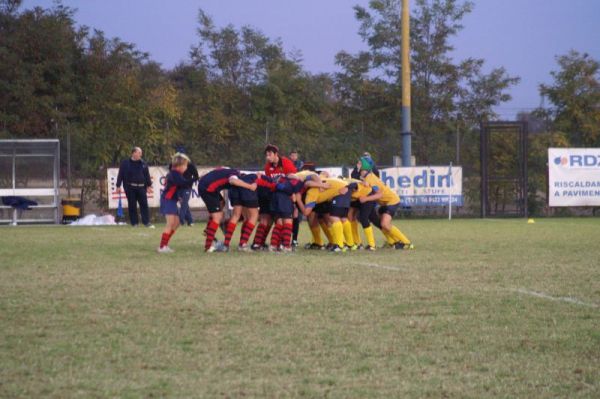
[(406, 125)]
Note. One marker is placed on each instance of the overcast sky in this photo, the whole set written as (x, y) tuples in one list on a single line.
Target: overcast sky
[(524, 36)]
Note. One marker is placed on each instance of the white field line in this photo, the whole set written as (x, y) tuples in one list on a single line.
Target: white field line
[(567, 299), (375, 265)]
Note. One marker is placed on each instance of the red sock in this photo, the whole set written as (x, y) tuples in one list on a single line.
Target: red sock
[(247, 229), (164, 239), (211, 230), (276, 235), (229, 233), (286, 234), (259, 237)]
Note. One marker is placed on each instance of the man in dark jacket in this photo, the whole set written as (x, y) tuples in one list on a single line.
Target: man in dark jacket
[(135, 177)]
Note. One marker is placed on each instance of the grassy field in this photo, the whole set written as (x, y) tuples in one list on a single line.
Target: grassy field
[(482, 308)]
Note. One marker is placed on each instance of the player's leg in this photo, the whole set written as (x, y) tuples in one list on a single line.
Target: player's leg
[(286, 233), (276, 234), (264, 226), (172, 222), (400, 240), (296, 226), (211, 230), (337, 232), (315, 229), (353, 219), (236, 213), (251, 216), (213, 205), (364, 217)]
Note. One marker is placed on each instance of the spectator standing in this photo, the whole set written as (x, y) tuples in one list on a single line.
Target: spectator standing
[(296, 160), (135, 178)]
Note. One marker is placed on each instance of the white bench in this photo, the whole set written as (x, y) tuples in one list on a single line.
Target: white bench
[(30, 192)]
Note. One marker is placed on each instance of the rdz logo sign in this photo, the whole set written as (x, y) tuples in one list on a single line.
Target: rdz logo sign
[(578, 161)]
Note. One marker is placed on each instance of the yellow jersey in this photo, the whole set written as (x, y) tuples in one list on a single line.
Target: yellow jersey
[(389, 197), (315, 195), (362, 189)]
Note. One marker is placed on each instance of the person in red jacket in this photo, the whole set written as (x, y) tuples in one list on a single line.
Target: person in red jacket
[(276, 166)]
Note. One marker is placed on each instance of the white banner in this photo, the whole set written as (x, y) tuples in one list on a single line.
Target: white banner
[(158, 175), (416, 186), (425, 185), (574, 176)]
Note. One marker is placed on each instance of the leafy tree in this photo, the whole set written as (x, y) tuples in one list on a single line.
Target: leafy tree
[(575, 95)]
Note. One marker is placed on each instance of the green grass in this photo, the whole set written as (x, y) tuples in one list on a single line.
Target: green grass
[(95, 312)]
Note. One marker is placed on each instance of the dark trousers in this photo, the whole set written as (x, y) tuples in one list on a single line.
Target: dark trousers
[(184, 201), (137, 195)]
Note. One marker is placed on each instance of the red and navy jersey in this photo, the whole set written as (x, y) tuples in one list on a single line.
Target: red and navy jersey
[(262, 181), (217, 180), (282, 168), (175, 181), (289, 186)]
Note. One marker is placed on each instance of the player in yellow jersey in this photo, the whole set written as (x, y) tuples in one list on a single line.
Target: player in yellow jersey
[(317, 220), (389, 202), (360, 212), (339, 195)]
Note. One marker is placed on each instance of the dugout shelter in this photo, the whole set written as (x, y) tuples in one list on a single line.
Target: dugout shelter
[(30, 169)]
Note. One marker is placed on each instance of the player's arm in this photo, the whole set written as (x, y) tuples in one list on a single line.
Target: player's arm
[(285, 187), (314, 181), (236, 181), (300, 203), (350, 187), (177, 179), (376, 195)]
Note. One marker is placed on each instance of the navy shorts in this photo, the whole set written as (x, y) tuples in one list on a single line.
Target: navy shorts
[(212, 200), (239, 196), (168, 207), (264, 203), (322, 208), (339, 211), (355, 204), (282, 205), (389, 209), (342, 200)]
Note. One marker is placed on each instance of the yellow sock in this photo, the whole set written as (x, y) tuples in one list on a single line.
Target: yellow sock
[(338, 234), (398, 236), (355, 233), (326, 231), (316, 234), (388, 237), (370, 236), (348, 237)]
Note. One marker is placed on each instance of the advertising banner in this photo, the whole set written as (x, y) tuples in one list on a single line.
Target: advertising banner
[(417, 186), (426, 185), (574, 176)]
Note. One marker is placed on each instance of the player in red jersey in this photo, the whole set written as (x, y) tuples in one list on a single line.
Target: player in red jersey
[(209, 187), (275, 166)]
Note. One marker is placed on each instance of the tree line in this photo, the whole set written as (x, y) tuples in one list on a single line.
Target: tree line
[(239, 89)]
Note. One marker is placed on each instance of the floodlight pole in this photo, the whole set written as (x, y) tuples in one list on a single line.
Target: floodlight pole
[(406, 128)]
